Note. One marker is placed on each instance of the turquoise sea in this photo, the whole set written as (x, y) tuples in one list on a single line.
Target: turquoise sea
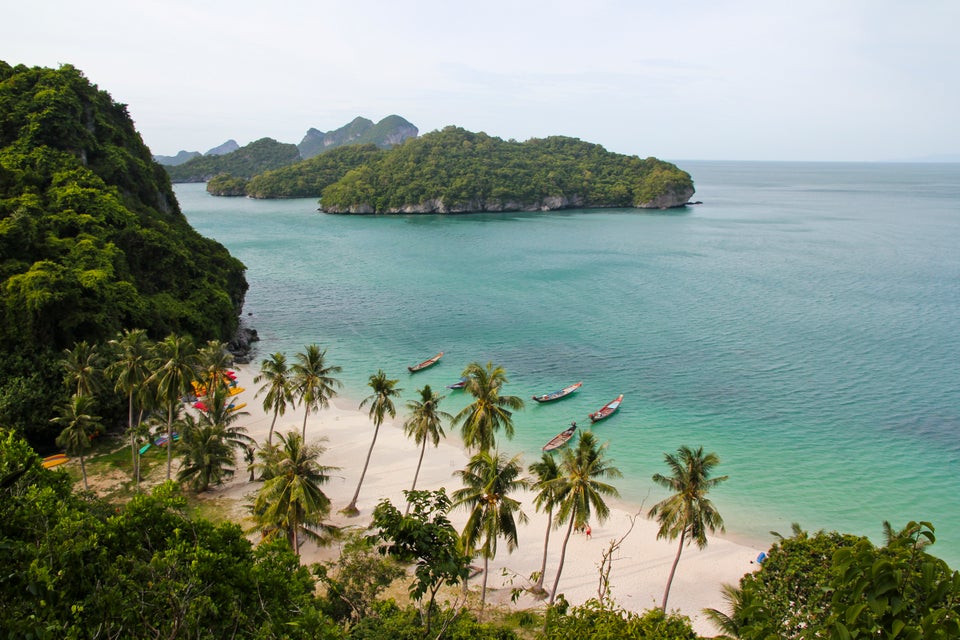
[(803, 323)]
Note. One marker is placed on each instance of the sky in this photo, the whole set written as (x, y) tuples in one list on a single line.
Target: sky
[(831, 80)]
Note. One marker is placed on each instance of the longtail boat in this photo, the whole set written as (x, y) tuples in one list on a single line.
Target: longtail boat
[(606, 410), (426, 363), (556, 395), (459, 384), (561, 438)]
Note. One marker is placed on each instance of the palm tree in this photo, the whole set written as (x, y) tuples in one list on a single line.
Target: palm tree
[(173, 373), (79, 425), (213, 360), (81, 367), (313, 381), (545, 470), (291, 502), (579, 490), (381, 405), (277, 387), (425, 423), (206, 456), (209, 443), (489, 411), (130, 370), (488, 480), (688, 513)]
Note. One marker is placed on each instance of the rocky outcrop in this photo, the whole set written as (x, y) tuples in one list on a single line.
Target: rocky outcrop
[(227, 147), (669, 200), (550, 203), (241, 347)]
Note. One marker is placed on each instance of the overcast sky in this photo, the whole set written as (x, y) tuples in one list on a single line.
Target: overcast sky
[(676, 79)]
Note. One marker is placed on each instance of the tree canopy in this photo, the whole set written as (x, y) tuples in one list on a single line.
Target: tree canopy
[(92, 239), (455, 170)]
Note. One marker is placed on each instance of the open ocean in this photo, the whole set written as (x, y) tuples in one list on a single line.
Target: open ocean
[(803, 323)]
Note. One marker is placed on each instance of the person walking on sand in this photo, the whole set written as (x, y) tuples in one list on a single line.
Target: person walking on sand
[(589, 532)]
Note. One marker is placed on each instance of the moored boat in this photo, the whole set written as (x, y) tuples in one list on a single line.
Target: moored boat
[(556, 395), (426, 363), (561, 438), (459, 384), (606, 410)]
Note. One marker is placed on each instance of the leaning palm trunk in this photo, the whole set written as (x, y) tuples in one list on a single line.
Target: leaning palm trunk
[(673, 570), (272, 424), (169, 440), (416, 474), (563, 555), (133, 441), (538, 588), (352, 507), (483, 590), (83, 470), (303, 432)]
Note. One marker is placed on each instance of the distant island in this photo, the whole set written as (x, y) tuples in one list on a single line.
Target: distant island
[(458, 171), (267, 154)]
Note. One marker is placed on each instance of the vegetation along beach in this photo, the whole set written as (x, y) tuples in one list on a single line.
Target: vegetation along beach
[(783, 357)]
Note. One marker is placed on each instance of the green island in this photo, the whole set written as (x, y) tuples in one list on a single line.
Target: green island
[(458, 171), (116, 315), (258, 156)]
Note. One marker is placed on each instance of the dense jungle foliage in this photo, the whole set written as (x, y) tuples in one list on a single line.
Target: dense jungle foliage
[(309, 178), (92, 240), (258, 156), (458, 170)]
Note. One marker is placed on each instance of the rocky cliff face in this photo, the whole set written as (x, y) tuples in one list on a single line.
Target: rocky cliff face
[(550, 203)]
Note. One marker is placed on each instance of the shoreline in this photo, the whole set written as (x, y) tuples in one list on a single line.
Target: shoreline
[(639, 569)]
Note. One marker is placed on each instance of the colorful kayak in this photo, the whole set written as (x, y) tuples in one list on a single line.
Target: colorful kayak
[(556, 395), (144, 448), (426, 363), (607, 410), (55, 460), (561, 438)]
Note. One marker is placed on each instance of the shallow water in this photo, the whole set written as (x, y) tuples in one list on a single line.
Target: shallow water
[(802, 323)]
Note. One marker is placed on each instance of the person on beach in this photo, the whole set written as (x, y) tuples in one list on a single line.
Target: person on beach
[(589, 532)]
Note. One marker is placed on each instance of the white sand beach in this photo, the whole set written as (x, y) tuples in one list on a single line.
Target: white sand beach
[(640, 568)]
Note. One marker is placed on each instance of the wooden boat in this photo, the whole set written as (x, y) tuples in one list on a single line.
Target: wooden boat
[(561, 438), (606, 410), (556, 395), (459, 384), (426, 363)]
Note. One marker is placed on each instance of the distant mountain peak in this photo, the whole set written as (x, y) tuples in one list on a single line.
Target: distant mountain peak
[(227, 147), (390, 131)]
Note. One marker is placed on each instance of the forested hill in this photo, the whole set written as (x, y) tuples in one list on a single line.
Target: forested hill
[(92, 239), (455, 170), (305, 179), (247, 161)]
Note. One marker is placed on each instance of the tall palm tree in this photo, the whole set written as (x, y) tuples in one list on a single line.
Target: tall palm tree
[(173, 372), (545, 471), (130, 370), (313, 381), (277, 387), (78, 424), (81, 367), (580, 489), (688, 513), (489, 411), (425, 423), (291, 502), (213, 360), (209, 443), (381, 405), (206, 456), (489, 479)]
